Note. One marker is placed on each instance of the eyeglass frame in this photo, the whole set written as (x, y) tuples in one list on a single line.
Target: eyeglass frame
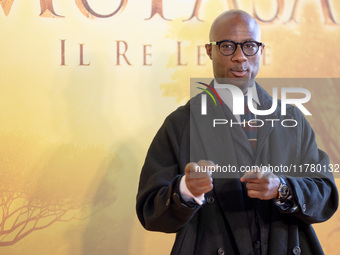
[(259, 44)]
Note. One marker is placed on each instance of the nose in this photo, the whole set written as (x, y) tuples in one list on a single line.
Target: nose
[(239, 55)]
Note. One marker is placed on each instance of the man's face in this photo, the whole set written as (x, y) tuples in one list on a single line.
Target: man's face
[(237, 69)]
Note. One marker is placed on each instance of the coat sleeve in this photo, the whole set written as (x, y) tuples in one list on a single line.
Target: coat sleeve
[(313, 188), (159, 206)]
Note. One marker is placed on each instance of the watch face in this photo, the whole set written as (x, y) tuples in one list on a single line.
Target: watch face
[(283, 191)]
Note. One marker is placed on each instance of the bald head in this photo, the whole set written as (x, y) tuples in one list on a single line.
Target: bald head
[(233, 19), (237, 68)]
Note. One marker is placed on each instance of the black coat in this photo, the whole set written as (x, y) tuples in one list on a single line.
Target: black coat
[(221, 226)]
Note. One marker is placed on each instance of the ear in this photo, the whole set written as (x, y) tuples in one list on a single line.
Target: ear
[(208, 48)]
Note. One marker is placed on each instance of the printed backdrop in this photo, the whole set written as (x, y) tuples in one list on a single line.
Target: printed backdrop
[(85, 85)]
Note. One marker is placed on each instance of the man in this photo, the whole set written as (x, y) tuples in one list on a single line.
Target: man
[(256, 212)]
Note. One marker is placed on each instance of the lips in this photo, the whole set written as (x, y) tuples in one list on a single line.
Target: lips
[(239, 72)]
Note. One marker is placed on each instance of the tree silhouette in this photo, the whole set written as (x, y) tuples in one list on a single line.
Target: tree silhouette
[(20, 216), (42, 184)]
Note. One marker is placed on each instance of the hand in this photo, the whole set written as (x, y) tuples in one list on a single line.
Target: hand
[(197, 179), (261, 184)]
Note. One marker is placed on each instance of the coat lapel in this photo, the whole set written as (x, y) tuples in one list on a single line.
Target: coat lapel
[(237, 133), (264, 131)]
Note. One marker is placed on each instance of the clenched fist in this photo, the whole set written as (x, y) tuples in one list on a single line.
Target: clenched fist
[(197, 179), (261, 184)]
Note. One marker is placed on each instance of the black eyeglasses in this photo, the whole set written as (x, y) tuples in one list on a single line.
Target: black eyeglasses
[(228, 47)]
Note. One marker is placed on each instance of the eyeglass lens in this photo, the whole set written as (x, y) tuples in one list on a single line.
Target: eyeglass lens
[(248, 48)]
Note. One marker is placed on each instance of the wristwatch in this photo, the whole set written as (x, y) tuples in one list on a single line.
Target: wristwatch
[(283, 189)]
